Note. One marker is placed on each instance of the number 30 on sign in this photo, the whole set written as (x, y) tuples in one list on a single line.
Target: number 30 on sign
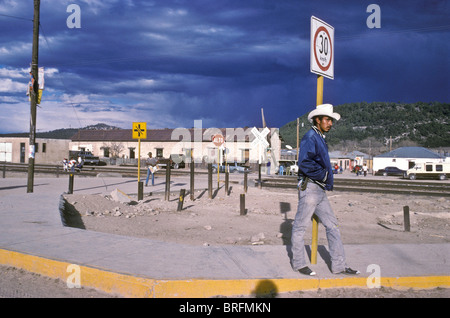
[(322, 48)]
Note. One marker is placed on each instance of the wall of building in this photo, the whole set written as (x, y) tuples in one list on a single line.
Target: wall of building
[(202, 150), (49, 151)]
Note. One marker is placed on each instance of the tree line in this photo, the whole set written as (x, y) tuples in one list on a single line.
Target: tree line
[(376, 126)]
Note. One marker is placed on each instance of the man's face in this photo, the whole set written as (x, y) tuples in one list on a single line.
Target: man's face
[(325, 124)]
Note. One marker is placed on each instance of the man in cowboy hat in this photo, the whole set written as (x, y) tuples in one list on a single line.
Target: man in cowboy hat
[(315, 177)]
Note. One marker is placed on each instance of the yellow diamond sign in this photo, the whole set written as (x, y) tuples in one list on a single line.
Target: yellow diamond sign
[(139, 130)]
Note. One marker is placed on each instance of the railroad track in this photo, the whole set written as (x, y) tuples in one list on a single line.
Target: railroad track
[(87, 170), (360, 184)]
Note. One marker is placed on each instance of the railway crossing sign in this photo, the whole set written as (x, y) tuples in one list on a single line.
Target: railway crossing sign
[(322, 48), (139, 130), (260, 141)]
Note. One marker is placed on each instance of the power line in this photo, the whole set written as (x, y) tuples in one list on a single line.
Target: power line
[(14, 17)]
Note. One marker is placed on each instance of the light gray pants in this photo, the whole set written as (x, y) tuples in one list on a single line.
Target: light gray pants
[(314, 200)]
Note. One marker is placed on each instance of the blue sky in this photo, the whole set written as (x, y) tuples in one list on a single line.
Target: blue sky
[(170, 62)]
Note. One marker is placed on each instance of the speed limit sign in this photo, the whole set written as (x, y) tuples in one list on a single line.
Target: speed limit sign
[(322, 48)]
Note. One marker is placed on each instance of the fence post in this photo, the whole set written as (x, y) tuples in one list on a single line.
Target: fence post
[(167, 194), (181, 200), (406, 218), (140, 190), (192, 179), (259, 176), (245, 180), (71, 177), (242, 199), (210, 180), (227, 176)]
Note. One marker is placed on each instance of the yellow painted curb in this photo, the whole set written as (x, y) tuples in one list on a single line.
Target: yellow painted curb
[(139, 287)]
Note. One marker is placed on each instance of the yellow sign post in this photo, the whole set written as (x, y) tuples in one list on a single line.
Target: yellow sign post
[(315, 221), (322, 64), (139, 132)]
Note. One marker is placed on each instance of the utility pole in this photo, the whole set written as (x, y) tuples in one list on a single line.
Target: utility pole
[(33, 96)]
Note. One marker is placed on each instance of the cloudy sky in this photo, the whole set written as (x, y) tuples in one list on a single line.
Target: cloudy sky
[(170, 62)]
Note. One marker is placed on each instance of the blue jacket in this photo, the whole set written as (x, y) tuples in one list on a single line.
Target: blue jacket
[(314, 161)]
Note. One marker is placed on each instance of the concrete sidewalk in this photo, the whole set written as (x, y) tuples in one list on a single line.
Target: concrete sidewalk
[(32, 237)]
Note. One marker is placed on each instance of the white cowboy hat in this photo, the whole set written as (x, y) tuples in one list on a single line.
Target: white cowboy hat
[(323, 110)]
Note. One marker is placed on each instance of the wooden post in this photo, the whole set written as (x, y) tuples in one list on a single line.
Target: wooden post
[(406, 222), (70, 183), (140, 190), (167, 194), (245, 180), (210, 180), (181, 200), (242, 204), (259, 176), (192, 178), (227, 177), (33, 96)]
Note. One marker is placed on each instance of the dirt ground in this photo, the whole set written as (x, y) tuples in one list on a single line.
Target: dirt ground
[(364, 218)]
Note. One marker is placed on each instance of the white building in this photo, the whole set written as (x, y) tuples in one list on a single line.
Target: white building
[(47, 150), (404, 158), (238, 146)]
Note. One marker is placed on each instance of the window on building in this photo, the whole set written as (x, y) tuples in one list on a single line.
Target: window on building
[(159, 152), (132, 153), (6, 151), (439, 168), (429, 167), (36, 147), (44, 147), (22, 152)]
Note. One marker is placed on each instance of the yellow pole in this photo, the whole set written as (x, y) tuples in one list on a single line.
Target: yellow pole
[(139, 161), (315, 221), (218, 167)]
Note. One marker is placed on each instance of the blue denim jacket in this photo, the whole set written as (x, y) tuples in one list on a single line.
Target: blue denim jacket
[(313, 159)]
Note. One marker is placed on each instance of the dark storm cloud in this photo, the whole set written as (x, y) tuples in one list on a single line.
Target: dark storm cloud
[(170, 62)]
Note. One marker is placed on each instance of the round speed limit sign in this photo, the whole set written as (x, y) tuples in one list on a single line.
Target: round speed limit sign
[(322, 48)]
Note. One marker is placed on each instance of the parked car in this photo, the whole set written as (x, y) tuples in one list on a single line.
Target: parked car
[(289, 167), (175, 161), (390, 171), (429, 170), (87, 156)]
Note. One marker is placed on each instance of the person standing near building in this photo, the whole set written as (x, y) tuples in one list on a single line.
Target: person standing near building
[(315, 178), (151, 168)]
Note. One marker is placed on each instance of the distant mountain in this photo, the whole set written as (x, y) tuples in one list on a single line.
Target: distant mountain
[(373, 127), (64, 133)]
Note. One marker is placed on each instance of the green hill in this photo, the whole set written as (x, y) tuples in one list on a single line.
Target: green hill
[(373, 126)]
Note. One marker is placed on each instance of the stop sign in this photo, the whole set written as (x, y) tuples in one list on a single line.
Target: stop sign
[(218, 140)]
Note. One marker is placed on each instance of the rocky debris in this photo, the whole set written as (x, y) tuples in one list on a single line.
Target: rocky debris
[(258, 239), (120, 196)]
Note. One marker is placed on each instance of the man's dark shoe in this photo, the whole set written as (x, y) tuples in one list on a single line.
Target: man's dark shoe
[(307, 271), (349, 271)]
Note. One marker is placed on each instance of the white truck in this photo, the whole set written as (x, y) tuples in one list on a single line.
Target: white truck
[(429, 170)]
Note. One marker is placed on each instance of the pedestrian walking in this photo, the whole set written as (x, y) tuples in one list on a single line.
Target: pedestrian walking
[(151, 168), (315, 178)]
